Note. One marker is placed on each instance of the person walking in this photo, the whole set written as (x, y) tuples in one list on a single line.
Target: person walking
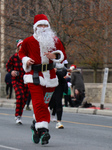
[(8, 82), (14, 66), (38, 53), (56, 101)]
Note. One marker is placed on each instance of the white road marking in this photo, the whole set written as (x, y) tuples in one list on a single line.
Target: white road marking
[(11, 148)]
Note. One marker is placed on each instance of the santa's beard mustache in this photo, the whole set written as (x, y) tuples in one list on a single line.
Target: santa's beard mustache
[(45, 37)]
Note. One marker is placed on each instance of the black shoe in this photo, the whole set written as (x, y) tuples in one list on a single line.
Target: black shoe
[(35, 134), (44, 136), (28, 108), (33, 125)]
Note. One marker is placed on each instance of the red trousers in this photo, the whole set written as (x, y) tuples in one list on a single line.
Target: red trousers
[(40, 107)]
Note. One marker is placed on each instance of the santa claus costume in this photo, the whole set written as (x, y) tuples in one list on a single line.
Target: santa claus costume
[(41, 77)]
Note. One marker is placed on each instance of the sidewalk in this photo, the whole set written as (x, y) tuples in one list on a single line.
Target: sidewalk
[(10, 103)]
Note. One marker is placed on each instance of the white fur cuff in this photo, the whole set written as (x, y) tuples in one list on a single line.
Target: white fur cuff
[(59, 65), (42, 124), (24, 61), (61, 56)]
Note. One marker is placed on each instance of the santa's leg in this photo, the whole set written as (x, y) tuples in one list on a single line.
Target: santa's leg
[(41, 112)]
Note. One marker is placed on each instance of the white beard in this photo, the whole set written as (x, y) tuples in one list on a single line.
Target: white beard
[(45, 37)]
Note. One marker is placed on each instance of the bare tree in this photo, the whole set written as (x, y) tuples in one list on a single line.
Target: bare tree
[(84, 27)]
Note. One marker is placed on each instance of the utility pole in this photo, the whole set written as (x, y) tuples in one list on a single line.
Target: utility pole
[(2, 21), (104, 87)]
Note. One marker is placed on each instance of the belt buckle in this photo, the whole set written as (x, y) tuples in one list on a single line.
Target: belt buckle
[(43, 67)]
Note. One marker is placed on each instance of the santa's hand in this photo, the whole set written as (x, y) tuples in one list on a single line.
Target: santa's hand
[(50, 55), (30, 62)]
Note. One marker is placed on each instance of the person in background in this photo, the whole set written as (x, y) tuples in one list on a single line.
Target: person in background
[(67, 96), (56, 101), (38, 53), (14, 66), (28, 102), (77, 85), (8, 82)]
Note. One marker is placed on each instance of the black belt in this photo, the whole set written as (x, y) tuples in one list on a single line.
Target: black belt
[(42, 67), (38, 68)]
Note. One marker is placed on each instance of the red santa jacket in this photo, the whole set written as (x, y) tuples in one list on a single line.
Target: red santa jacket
[(31, 49)]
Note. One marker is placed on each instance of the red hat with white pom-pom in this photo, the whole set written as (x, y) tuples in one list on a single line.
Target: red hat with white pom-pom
[(72, 67)]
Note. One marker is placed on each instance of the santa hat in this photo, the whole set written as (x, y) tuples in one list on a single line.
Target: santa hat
[(19, 42), (72, 67), (40, 19)]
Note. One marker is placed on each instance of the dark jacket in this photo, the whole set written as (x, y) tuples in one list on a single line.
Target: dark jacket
[(62, 82), (8, 79), (77, 80)]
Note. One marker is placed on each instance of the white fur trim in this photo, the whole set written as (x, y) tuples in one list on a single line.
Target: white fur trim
[(41, 22), (49, 82), (65, 62), (24, 61), (59, 65), (61, 54), (52, 82), (72, 67), (42, 124), (44, 82), (28, 78)]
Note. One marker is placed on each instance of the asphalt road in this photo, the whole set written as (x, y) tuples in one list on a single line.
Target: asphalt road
[(81, 132)]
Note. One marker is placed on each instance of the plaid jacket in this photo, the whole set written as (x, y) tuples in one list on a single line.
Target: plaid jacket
[(15, 63)]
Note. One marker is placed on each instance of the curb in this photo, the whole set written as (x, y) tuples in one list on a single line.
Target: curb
[(7, 105), (103, 112), (88, 111)]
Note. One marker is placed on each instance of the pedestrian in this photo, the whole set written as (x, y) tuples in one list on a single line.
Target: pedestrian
[(56, 101), (14, 66), (8, 82), (67, 96), (38, 53), (77, 85), (28, 102)]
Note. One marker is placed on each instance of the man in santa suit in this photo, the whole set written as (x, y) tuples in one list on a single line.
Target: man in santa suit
[(38, 53)]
